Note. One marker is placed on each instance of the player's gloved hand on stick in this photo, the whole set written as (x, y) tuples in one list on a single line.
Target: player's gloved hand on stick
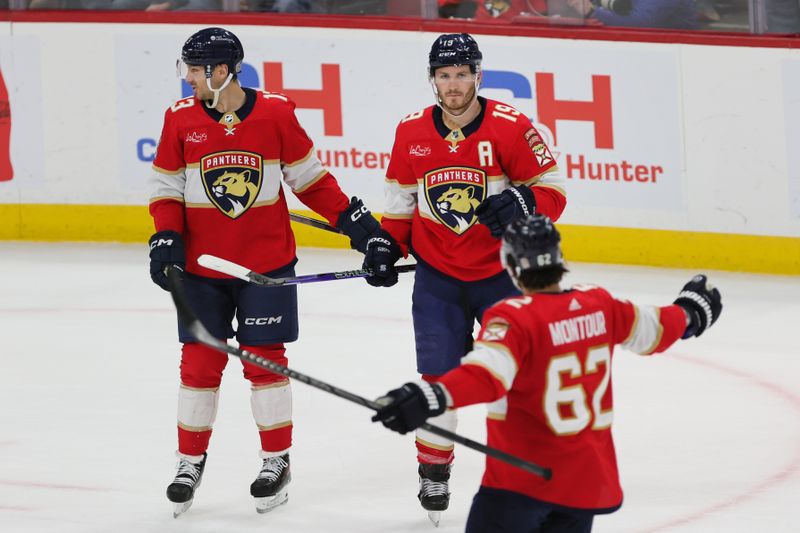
[(381, 255), (408, 407), (358, 223), (498, 210), (702, 303), (166, 249)]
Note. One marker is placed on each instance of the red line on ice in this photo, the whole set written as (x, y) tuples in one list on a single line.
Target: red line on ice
[(54, 486), (786, 471)]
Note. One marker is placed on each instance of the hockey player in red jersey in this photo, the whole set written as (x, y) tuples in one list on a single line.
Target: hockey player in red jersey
[(216, 189), (460, 171), (543, 363)]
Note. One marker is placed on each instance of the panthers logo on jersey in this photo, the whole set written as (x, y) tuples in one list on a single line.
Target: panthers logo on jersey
[(453, 193), (232, 180)]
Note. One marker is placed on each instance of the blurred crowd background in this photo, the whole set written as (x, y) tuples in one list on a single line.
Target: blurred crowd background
[(747, 16)]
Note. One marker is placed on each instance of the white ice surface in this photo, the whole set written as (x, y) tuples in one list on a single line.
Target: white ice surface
[(708, 435)]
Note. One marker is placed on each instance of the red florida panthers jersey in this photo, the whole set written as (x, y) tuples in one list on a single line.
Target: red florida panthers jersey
[(437, 177), (217, 181), (544, 360)]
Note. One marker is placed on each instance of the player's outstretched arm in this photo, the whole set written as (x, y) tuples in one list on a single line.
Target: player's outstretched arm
[(407, 408), (498, 210), (702, 303), (357, 222)]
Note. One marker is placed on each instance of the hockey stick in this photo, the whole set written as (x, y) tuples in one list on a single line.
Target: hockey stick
[(313, 222), (238, 271), (198, 330)]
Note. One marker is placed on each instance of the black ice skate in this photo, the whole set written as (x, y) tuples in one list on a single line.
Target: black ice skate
[(270, 489), (187, 480), (434, 493)]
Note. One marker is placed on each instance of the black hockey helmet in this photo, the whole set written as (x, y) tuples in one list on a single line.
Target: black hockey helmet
[(211, 47), (531, 243), (452, 49)]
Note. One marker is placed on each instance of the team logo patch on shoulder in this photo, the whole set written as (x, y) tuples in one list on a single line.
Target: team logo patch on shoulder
[(232, 180), (453, 193), (532, 136), (495, 330), (543, 156)]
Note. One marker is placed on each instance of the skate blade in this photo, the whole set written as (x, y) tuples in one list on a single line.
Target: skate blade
[(181, 508), (435, 516), (268, 503)]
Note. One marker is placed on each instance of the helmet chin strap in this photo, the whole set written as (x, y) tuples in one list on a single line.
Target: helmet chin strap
[(216, 92)]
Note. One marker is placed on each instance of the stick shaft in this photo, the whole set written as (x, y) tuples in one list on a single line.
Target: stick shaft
[(238, 271), (313, 222)]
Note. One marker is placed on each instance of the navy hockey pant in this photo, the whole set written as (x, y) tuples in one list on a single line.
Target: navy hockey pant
[(445, 310), (265, 315), (503, 511)]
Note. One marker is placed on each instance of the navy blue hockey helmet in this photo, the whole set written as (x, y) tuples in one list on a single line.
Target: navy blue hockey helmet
[(454, 49), (214, 46), (531, 243)]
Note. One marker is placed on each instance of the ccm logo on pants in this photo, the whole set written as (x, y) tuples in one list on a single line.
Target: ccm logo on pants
[(263, 321)]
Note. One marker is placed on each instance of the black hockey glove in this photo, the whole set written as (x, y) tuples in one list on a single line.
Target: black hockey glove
[(498, 210), (381, 255), (166, 249), (408, 407), (358, 223), (702, 302)]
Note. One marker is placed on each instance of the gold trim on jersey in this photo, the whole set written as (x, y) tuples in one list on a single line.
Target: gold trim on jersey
[(193, 429), (275, 385), (435, 446), (391, 181), (299, 161), (200, 389), (263, 203), (484, 365), (455, 136), (556, 188), (633, 326), (535, 179), (230, 120), (274, 426), (398, 216), (502, 347), (311, 182), (168, 172), (659, 335), (175, 198), (426, 216)]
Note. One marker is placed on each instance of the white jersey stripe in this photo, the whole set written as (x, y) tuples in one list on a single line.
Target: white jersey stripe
[(646, 331), (496, 359), (400, 200)]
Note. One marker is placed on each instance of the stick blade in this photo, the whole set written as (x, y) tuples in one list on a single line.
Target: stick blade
[(223, 266)]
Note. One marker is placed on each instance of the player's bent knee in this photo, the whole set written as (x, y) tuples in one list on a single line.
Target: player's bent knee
[(261, 376), (201, 366)]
